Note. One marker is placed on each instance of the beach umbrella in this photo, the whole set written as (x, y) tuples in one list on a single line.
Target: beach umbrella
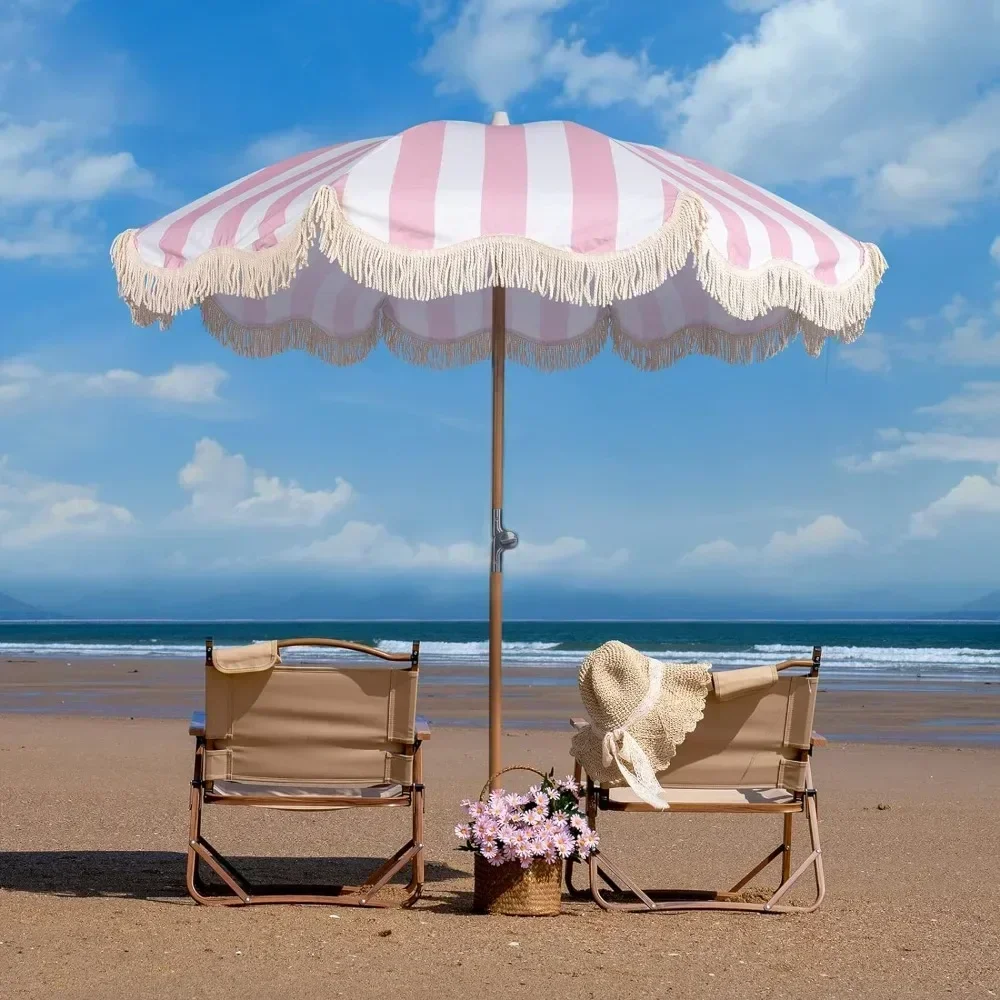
[(453, 242)]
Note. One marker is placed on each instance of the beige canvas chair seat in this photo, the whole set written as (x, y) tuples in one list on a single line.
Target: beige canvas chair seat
[(309, 737), (750, 753), (299, 796), (679, 797)]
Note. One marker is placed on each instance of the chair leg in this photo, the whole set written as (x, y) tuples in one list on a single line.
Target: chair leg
[(786, 858), (602, 870), (242, 893)]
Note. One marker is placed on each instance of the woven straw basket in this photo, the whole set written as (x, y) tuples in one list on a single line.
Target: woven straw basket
[(512, 890)]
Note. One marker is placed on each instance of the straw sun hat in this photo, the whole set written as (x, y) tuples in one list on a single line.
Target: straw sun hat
[(640, 711)]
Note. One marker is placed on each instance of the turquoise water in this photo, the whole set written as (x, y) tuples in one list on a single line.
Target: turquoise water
[(869, 652)]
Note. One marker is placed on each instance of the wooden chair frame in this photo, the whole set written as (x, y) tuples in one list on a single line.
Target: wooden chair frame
[(605, 875), (241, 892)]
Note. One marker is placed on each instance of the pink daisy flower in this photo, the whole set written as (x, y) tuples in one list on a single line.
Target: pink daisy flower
[(578, 823), (564, 844), (463, 830), (534, 816)]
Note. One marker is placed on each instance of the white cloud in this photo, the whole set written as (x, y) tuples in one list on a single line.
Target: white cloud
[(278, 146), (606, 78), (975, 400), (34, 511), (22, 382), (897, 98), (362, 544), (924, 446), (995, 250), (893, 96), (870, 354), (827, 535), (974, 495), (226, 492), (973, 342), (500, 49), (58, 155), (365, 545), (40, 235), (495, 48)]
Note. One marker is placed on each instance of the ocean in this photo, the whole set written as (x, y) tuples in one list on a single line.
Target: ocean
[(868, 652)]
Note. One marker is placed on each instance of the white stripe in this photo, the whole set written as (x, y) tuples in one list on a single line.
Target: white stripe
[(366, 194), (550, 185), (758, 241), (850, 254), (640, 196), (202, 233), (322, 311), (298, 205), (458, 203)]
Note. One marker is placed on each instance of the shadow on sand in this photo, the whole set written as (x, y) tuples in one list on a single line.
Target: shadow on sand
[(159, 875)]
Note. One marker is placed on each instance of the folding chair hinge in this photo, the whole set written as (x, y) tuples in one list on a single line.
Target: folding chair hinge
[(811, 793), (417, 786)]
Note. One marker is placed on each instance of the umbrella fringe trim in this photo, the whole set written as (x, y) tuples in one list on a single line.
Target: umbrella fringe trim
[(261, 341), (748, 295), (157, 294)]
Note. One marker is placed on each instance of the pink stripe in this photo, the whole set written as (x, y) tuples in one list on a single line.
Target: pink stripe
[(553, 321), (305, 288), (650, 318), (441, 320), (344, 307), (826, 249), (254, 312), (505, 181), (737, 241), (229, 224), (595, 190), (173, 240), (778, 238), (671, 192), (414, 186), (277, 214)]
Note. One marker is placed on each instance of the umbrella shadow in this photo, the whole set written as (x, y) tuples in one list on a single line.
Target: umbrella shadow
[(158, 876)]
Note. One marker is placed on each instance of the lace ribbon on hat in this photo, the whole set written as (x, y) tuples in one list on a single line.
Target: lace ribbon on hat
[(620, 746)]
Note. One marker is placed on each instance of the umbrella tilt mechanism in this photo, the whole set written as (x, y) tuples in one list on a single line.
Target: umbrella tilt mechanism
[(503, 540)]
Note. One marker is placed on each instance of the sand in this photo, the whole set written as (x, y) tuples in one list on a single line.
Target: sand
[(92, 903), (963, 714)]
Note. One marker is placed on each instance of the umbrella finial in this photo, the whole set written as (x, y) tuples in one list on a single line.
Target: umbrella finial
[(500, 118)]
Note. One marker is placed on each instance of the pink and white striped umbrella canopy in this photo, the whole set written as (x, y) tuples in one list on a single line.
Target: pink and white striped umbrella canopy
[(401, 239)]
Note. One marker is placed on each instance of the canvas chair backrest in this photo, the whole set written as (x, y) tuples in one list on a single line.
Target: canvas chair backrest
[(309, 724), (755, 733)]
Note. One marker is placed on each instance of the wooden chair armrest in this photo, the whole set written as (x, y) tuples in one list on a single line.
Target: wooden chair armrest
[(578, 723), (422, 728), (819, 741), (196, 727)]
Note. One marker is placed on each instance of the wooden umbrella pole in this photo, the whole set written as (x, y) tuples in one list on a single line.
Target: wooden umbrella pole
[(502, 539)]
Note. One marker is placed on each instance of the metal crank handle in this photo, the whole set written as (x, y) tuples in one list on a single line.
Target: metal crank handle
[(503, 540)]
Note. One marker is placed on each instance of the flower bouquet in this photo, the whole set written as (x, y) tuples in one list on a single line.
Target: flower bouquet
[(520, 843)]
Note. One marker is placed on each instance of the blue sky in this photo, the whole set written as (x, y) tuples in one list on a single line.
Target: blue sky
[(139, 455)]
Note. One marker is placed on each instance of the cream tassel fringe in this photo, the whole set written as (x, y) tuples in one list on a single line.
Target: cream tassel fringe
[(156, 294), (262, 341)]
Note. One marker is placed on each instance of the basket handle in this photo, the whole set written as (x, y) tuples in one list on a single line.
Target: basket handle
[(513, 767)]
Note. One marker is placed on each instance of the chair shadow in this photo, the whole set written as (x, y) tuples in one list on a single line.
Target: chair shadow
[(158, 876)]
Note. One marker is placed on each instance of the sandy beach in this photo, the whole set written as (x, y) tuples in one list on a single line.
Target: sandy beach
[(92, 902), (961, 714)]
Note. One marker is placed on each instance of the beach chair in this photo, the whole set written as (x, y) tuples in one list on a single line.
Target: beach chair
[(750, 754), (307, 737)]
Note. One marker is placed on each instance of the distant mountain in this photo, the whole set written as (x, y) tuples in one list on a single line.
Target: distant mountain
[(11, 609), (987, 607)]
